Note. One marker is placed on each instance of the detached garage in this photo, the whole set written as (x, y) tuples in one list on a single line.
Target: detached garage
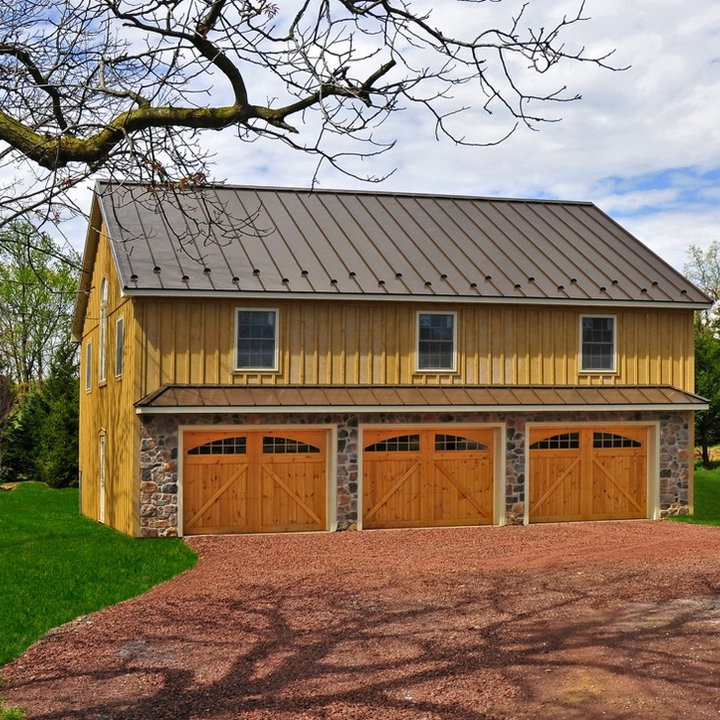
[(330, 359), (588, 473)]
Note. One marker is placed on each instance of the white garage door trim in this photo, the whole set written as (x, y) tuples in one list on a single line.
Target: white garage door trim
[(653, 458), (331, 470)]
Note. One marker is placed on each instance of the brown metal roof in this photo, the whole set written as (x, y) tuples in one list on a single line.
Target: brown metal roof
[(263, 398), (258, 241)]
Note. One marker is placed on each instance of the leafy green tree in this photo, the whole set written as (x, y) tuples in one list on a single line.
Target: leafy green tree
[(57, 457), (37, 295), (703, 268), (21, 437), (7, 403), (707, 384), (38, 414), (40, 439)]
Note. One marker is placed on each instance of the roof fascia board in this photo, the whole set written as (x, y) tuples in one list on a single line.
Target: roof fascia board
[(286, 409), (445, 299), (92, 242)]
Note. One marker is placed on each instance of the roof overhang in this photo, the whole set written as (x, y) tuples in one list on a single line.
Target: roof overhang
[(204, 399), (241, 296), (92, 240)]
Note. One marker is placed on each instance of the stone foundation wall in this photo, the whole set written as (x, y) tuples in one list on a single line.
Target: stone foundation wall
[(159, 456)]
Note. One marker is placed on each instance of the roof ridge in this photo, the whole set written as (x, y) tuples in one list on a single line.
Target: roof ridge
[(351, 191)]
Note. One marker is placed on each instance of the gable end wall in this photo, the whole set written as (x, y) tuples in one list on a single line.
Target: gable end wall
[(108, 407)]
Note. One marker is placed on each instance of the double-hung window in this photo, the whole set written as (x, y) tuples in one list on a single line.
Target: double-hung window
[(256, 339), (436, 340), (597, 343)]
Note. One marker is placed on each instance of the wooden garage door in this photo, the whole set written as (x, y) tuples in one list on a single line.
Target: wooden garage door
[(420, 477), (256, 481), (588, 473)]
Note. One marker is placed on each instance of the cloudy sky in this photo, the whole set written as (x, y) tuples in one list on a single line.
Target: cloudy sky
[(643, 144)]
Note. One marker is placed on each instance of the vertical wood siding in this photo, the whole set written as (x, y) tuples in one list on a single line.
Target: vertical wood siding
[(108, 407), (192, 341)]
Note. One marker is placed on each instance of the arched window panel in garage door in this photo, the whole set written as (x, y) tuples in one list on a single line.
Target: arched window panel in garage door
[(399, 443), (221, 446), (563, 441), (457, 442), (286, 446), (611, 440)]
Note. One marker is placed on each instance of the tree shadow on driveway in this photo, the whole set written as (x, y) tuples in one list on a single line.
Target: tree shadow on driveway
[(441, 643)]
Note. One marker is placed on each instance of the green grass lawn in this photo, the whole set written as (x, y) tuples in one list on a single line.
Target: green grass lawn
[(56, 565), (707, 496)]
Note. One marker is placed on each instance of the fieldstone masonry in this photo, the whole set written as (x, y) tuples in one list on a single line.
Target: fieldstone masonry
[(159, 456)]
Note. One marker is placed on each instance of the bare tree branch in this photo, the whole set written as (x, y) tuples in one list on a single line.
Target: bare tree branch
[(126, 88)]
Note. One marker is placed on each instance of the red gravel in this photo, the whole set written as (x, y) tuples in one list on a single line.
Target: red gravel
[(602, 620)]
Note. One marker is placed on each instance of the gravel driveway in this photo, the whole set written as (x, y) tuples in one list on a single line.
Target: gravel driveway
[(602, 620)]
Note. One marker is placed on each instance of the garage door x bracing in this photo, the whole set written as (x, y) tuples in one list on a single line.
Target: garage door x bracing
[(254, 481), (588, 473), (427, 477)]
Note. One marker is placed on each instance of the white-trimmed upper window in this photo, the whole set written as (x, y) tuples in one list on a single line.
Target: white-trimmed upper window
[(256, 339), (119, 340), (597, 343), (436, 341), (102, 344)]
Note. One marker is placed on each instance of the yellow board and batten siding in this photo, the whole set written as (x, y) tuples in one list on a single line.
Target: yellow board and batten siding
[(107, 407), (346, 342)]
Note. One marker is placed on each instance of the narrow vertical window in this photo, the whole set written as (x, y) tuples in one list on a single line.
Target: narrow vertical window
[(256, 340), (88, 366), (119, 339), (102, 349), (436, 341), (597, 343)]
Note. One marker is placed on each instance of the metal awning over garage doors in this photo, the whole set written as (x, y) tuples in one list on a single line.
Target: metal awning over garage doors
[(590, 472), (427, 476), (237, 481)]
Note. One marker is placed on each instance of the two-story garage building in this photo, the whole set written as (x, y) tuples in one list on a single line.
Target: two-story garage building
[(261, 360)]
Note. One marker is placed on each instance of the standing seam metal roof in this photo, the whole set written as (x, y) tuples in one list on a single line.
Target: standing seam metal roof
[(249, 240), (279, 397)]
